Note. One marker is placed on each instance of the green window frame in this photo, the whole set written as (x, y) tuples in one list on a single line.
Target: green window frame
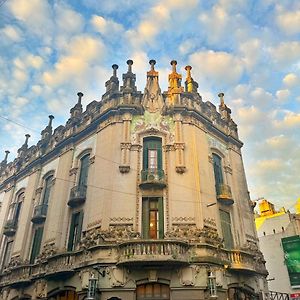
[(47, 189), (152, 153), (218, 172), (7, 253), (226, 229), (75, 230), (152, 218), (36, 244), (84, 170)]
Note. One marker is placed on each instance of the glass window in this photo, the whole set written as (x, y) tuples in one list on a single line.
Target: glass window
[(47, 189), (36, 244), (153, 291), (226, 229), (218, 169), (153, 218), (152, 154), (75, 230), (84, 169), (7, 253)]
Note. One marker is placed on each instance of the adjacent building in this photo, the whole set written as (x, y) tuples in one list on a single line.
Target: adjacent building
[(279, 239), (140, 196)]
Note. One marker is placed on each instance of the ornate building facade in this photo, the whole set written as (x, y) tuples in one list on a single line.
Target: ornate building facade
[(140, 196)]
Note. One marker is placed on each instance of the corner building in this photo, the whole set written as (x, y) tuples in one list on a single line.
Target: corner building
[(140, 196)]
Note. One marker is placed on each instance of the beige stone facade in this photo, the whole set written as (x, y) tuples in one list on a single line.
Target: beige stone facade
[(144, 191)]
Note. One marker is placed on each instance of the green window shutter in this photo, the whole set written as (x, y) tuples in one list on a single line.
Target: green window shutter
[(36, 245), (72, 232), (79, 227), (84, 169), (226, 229), (218, 169), (145, 218), (161, 217), (159, 156), (48, 183), (145, 156)]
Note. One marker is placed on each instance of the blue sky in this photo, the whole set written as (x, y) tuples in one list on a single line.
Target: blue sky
[(250, 50)]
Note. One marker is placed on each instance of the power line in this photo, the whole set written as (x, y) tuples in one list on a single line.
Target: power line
[(19, 124)]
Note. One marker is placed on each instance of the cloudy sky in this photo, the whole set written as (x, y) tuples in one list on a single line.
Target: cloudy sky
[(250, 50)]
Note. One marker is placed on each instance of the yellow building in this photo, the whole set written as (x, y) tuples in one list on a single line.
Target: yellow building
[(140, 196)]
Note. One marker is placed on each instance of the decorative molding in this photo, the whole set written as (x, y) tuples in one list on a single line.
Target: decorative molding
[(210, 159), (125, 145), (40, 289), (180, 169), (39, 190), (92, 159), (117, 276), (48, 251), (124, 169), (96, 223), (73, 171), (179, 146), (228, 169), (120, 220), (183, 220), (187, 276)]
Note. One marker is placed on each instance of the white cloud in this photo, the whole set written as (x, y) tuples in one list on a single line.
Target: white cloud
[(251, 51), (282, 95), (260, 96), (290, 120), (286, 52), (222, 67), (12, 32), (82, 51), (289, 22), (106, 26), (291, 80), (34, 14), (278, 141)]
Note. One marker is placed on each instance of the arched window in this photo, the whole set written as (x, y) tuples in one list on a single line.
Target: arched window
[(15, 208), (217, 160), (84, 170), (47, 189), (153, 291)]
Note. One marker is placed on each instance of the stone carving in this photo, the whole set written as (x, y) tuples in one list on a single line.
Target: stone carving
[(48, 251), (187, 276), (191, 233), (124, 169), (91, 238), (183, 220), (16, 261), (121, 220), (119, 233), (117, 276), (40, 289)]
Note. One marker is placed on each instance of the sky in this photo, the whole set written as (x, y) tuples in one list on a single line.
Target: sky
[(248, 49)]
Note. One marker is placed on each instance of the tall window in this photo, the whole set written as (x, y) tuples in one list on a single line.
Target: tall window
[(153, 218), (152, 154), (15, 208), (36, 244), (218, 169), (47, 189), (84, 169), (226, 229), (7, 253), (75, 230)]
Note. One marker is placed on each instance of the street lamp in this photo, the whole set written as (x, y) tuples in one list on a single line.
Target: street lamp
[(92, 287), (212, 285)]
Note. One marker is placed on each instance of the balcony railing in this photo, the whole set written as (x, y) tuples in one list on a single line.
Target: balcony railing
[(77, 195), (149, 252), (153, 178), (224, 194), (10, 227), (39, 213), (241, 261)]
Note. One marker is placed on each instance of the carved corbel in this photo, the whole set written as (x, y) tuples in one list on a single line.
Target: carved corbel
[(73, 171)]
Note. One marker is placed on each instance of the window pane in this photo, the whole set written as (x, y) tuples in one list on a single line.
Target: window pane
[(48, 183), (84, 168)]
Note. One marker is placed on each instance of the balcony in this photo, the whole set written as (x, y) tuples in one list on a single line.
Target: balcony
[(224, 194), (241, 261), (153, 253), (39, 214), (152, 178), (10, 227), (77, 195)]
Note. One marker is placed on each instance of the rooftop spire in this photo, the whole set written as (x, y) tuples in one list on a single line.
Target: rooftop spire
[(224, 110), (190, 85), (6, 155), (221, 96), (50, 120), (152, 99), (80, 95), (129, 63), (27, 136), (129, 79), (174, 88), (115, 68)]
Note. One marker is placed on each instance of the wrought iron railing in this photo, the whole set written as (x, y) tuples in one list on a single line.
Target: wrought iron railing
[(153, 176), (40, 211), (77, 195), (10, 227)]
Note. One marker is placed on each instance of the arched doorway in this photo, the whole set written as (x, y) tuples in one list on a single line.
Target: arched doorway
[(65, 295), (153, 291)]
